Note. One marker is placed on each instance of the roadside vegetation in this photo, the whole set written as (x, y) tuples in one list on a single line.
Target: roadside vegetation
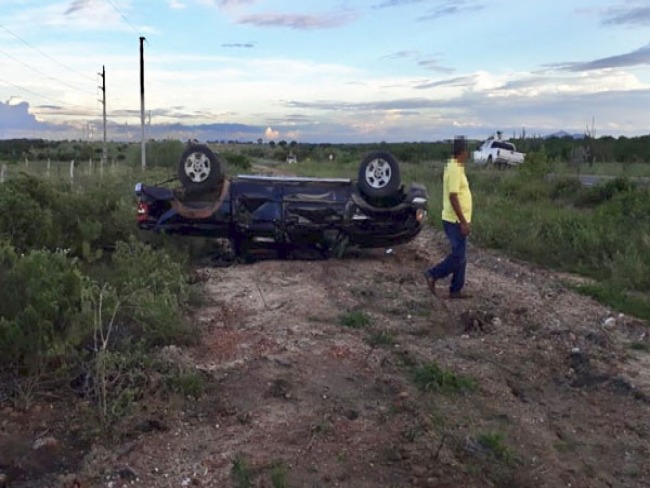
[(84, 303)]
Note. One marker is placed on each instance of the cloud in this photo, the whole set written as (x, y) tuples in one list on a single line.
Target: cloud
[(297, 21), (401, 55), (15, 115), (269, 133), (396, 3), (234, 3), (77, 5), (462, 81), (434, 65), (247, 45), (176, 5), (638, 57), (451, 7), (633, 16)]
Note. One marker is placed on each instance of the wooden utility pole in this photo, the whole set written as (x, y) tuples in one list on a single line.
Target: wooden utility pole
[(143, 143), (103, 101)]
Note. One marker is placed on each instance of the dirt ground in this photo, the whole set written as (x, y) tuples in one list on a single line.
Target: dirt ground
[(298, 399)]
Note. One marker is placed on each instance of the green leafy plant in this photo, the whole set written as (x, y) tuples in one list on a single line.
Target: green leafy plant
[(355, 319), (494, 442), (382, 338), (241, 473), (279, 476), (431, 377), (41, 318)]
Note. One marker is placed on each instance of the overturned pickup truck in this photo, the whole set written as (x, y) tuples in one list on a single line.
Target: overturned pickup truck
[(285, 212)]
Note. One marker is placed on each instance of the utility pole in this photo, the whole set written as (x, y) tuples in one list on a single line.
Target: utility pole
[(103, 101), (143, 144)]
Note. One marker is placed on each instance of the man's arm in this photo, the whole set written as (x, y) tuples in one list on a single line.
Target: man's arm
[(465, 228)]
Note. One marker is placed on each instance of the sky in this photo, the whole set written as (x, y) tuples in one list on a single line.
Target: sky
[(338, 71)]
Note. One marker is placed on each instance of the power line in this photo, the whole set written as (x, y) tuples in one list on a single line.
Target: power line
[(123, 16), (45, 97), (43, 53), (44, 74)]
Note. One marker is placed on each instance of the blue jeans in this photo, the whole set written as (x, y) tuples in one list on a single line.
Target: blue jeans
[(456, 262)]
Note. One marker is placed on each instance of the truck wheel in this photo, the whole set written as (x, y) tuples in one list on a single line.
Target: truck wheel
[(199, 169), (379, 175), (489, 162)]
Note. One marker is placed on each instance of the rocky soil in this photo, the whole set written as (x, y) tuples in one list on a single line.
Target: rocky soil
[(315, 371)]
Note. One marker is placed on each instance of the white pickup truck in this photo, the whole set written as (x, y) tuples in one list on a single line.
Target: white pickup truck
[(498, 153)]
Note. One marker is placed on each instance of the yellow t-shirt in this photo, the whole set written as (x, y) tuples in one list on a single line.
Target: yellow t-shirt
[(454, 180)]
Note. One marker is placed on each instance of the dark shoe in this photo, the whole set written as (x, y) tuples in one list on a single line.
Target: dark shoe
[(431, 283), (459, 295)]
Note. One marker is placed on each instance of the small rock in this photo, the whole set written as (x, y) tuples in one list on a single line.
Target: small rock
[(609, 322), (403, 395), (151, 425), (127, 474), (45, 442), (351, 414)]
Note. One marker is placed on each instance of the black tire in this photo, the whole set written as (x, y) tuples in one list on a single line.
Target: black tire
[(489, 162), (379, 175), (199, 169)]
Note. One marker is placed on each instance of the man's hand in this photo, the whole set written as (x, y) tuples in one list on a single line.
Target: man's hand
[(465, 228)]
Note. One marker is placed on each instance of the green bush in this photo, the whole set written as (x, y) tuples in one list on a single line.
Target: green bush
[(565, 189), (237, 160), (431, 377), (159, 154), (603, 192), (41, 317), (536, 165), (356, 319), (36, 214), (154, 289)]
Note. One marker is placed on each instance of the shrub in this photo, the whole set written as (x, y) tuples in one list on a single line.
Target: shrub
[(431, 377), (356, 319), (164, 154), (565, 188), (36, 214), (24, 222), (154, 289), (494, 442), (603, 192), (41, 318), (237, 160), (536, 165)]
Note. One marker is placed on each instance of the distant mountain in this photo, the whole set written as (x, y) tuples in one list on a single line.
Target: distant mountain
[(561, 134)]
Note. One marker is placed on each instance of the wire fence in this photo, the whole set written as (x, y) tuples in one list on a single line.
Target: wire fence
[(73, 171)]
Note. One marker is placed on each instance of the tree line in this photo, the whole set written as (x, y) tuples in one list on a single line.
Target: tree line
[(163, 153)]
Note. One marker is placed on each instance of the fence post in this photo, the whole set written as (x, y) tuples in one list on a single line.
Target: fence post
[(49, 163), (2, 172), (90, 166), (26, 162), (72, 169)]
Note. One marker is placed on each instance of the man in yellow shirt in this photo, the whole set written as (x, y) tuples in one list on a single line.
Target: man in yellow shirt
[(456, 218)]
